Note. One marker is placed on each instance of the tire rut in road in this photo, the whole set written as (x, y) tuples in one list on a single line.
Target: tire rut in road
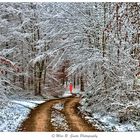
[(76, 122)]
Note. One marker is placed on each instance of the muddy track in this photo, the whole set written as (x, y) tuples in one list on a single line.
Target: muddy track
[(39, 119)]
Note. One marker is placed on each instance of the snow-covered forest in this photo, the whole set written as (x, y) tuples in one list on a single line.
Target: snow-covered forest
[(96, 46)]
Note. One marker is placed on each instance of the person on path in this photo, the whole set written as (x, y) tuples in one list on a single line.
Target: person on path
[(70, 88)]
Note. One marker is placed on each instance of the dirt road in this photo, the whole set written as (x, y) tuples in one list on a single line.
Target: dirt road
[(57, 115)]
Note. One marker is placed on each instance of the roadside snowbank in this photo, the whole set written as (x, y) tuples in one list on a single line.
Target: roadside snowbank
[(67, 94), (14, 112), (29, 104), (109, 123)]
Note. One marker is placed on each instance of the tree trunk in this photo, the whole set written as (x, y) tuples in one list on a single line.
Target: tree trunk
[(77, 80), (35, 80), (82, 82), (74, 82), (39, 83), (104, 48), (40, 72)]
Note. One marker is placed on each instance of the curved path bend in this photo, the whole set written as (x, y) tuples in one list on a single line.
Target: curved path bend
[(39, 119)]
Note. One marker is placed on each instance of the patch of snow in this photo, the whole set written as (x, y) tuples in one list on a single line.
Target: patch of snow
[(59, 121), (24, 103), (14, 112), (108, 120), (59, 106), (5, 52), (38, 58), (75, 90), (110, 123), (30, 104), (125, 127), (66, 94), (11, 116), (38, 102)]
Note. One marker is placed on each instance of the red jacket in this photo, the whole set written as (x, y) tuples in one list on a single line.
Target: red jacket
[(70, 87)]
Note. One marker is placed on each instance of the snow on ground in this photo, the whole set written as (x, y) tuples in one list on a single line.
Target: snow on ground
[(58, 119), (30, 104), (75, 90), (67, 94), (109, 123), (14, 112), (11, 116), (113, 124), (58, 106)]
